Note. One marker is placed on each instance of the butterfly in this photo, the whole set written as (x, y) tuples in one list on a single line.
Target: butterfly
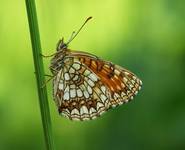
[(86, 86)]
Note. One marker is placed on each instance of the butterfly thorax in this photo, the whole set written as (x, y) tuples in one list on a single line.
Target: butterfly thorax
[(57, 61)]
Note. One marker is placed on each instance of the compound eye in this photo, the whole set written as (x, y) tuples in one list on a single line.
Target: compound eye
[(63, 46)]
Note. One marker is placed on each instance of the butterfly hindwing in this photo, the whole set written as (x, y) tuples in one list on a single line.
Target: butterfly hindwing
[(79, 93)]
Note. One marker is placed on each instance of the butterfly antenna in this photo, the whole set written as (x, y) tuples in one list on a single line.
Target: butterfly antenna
[(74, 34)]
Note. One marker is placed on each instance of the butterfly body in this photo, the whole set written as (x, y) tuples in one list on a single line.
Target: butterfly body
[(85, 86)]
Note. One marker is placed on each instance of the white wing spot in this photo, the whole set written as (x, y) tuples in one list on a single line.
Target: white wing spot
[(120, 102), (99, 105), (76, 66), (134, 77), (123, 94), (71, 70), (66, 76), (103, 88), (103, 97), (72, 93), (79, 93), (76, 119), (86, 72), (86, 94), (75, 78), (125, 79), (66, 96), (140, 82), (75, 111), (133, 81), (127, 73), (115, 96), (117, 72), (89, 89), (83, 110), (92, 110), (61, 86), (72, 86), (131, 86), (93, 77), (91, 83), (94, 117), (126, 101)]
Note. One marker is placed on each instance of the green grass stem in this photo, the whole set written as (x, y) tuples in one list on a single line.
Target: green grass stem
[(39, 71)]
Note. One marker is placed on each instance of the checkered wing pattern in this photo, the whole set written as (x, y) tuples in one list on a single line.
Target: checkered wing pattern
[(122, 84), (87, 86), (78, 91)]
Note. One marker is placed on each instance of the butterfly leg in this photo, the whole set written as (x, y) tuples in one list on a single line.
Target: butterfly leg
[(45, 83), (48, 75), (47, 56)]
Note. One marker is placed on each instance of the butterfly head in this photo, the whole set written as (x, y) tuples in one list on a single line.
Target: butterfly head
[(61, 45)]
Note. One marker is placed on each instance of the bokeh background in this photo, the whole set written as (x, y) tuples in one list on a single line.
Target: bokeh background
[(146, 37)]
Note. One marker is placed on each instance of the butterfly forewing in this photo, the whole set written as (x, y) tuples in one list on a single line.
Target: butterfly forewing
[(122, 84)]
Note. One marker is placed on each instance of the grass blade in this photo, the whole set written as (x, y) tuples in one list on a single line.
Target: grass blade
[(39, 71)]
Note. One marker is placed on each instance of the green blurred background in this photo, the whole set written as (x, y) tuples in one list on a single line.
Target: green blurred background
[(146, 37)]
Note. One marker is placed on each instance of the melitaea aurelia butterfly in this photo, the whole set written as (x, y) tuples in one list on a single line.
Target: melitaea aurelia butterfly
[(85, 86)]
